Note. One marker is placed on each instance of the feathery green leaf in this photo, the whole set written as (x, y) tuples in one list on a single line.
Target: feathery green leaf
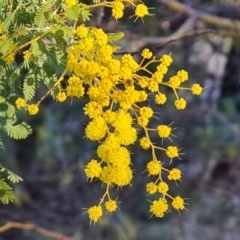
[(19, 131)]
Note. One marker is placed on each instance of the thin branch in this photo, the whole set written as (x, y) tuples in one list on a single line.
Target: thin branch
[(203, 16), (31, 226), (184, 37), (139, 41), (168, 40), (180, 32), (228, 28)]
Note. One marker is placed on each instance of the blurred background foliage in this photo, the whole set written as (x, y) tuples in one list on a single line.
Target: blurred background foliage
[(55, 191)]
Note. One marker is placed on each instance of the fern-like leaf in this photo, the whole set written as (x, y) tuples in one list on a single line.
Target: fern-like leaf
[(41, 17), (72, 12), (29, 88), (19, 131), (1, 143), (11, 16), (112, 37), (11, 176), (8, 20), (2, 72), (6, 46), (67, 31), (85, 15), (48, 70), (14, 178), (8, 110), (59, 40), (36, 48), (22, 31), (49, 82), (31, 83), (6, 192)]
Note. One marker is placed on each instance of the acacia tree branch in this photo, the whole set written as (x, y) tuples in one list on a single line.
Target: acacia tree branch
[(203, 16), (228, 27), (168, 40), (136, 42), (31, 226)]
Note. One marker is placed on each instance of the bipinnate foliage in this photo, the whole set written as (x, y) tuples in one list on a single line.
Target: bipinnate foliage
[(6, 192), (73, 61)]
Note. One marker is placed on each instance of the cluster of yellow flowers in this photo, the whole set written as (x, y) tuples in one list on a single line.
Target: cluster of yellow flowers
[(26, 54), (32, 108), (115, 88)]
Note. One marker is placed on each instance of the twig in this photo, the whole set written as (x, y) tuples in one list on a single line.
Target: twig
[(168, 40), (229, 27), (139, 41), (194, 34), (203, 16), (31, 226)]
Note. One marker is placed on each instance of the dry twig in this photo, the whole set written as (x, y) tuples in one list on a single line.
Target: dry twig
[(222, 22), (31, 226)]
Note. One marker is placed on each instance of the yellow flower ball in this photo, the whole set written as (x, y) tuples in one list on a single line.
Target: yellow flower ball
[(20, 103), (111, 206), (33, 109), (196, 89), (94, 213), (180, 103), (154, 167), (159, 207)]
